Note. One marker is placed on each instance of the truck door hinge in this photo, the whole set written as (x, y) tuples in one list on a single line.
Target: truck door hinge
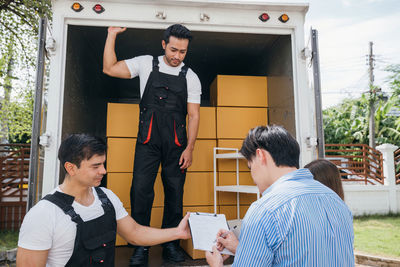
[(306, 53), (51, 45), (311, 141), (204, 17), (45, 140), (161, 15)]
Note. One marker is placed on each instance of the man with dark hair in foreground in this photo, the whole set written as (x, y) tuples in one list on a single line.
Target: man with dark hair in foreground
[(297, 221), (169, 92), (76, 224)]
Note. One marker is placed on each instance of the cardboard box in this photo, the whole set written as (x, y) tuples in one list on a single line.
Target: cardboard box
[(155, 221), (120, 184), (235, 123), (231, 211), (239, 91), (203, 156), (156, 217), (187, 245), (120, 154), (122, 120), (199, 189), (207, 125), (229, 178), (224, 165), (120, 241), (230, 198)]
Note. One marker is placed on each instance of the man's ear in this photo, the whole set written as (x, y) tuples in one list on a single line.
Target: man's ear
[(70, 168), (262, 155), (164, 45)]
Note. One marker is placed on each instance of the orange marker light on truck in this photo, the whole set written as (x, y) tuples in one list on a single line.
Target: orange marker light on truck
[(264, 17), (98, 8), (284, 18), (76, 7)]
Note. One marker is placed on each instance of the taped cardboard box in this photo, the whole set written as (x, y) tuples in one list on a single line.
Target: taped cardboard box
[(239, 91)]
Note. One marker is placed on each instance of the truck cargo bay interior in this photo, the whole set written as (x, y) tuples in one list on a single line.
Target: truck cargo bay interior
[(87, 90)]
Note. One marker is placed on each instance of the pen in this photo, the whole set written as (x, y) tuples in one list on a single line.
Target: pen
[(226, 233)]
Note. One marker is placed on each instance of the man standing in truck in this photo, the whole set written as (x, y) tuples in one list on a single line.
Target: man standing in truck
[(169, 91)]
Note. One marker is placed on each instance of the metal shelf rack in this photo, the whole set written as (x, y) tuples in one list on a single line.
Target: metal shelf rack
[(252, 189)]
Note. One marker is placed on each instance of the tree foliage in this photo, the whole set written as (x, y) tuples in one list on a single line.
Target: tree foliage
[(347, 123), (18, 50)]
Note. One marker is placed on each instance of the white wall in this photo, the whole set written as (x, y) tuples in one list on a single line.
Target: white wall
[(369, 199)]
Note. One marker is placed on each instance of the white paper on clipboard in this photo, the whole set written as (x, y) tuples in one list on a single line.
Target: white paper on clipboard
[(204, 228)]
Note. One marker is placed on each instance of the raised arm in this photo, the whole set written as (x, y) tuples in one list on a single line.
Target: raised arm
[(31, 258), (111, 66), (141, 235)]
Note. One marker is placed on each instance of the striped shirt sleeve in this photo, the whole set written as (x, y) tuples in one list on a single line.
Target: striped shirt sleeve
[(257, 248)]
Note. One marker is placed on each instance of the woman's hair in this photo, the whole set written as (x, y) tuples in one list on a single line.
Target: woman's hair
[(328, 174)]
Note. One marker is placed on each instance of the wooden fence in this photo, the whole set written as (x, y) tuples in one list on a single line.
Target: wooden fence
[(397, 165), (356, 162), (14, 171)]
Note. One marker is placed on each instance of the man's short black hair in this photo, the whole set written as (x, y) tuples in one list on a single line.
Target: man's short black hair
[(179, 31), (78, 147), (284, 149)]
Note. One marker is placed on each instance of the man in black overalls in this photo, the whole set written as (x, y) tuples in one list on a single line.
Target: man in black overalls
[(166, 100), (76, 224)]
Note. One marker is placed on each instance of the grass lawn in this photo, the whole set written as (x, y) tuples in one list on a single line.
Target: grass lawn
[(8, 240), (378, 235)]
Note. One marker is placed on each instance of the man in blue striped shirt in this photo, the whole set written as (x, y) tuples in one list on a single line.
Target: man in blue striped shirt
[(297, 222)]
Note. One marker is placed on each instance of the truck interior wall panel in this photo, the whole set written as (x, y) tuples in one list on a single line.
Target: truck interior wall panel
[(84, 98), (281, 102), (210, 54), (280, 84)]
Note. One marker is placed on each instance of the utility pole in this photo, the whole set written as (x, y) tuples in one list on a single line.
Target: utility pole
[(372, 94)]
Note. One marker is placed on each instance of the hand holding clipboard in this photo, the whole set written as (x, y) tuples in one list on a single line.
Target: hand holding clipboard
[(204, 228)]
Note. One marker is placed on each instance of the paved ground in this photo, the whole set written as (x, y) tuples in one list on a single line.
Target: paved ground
[(122, 255)]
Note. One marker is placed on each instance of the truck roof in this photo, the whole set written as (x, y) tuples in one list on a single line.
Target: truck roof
[(277, 5)]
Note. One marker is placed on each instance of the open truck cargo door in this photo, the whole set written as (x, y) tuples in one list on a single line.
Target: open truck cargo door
[(316, 83), (39, 122)]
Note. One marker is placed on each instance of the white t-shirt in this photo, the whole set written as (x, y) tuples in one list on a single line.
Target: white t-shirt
[(46, 226), (143, 65)]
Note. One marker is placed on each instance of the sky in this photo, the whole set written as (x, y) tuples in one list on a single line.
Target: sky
[(345, 28)]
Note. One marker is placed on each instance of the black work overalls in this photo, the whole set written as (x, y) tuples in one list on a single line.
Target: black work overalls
[(95, 239), (161, 139)]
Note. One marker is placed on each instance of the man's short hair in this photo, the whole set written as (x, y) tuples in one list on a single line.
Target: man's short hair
[(78, 147), (284, 149), (179, 31)]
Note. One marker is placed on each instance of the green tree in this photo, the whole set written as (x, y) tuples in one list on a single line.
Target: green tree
[(18, 46), (347, 123)]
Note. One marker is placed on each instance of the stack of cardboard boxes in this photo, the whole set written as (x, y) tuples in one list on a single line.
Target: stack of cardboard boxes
[(240, 104)]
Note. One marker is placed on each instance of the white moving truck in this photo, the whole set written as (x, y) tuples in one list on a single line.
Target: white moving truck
[(230, 37)]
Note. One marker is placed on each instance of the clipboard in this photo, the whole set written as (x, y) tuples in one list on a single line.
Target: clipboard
[(204, 228)]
